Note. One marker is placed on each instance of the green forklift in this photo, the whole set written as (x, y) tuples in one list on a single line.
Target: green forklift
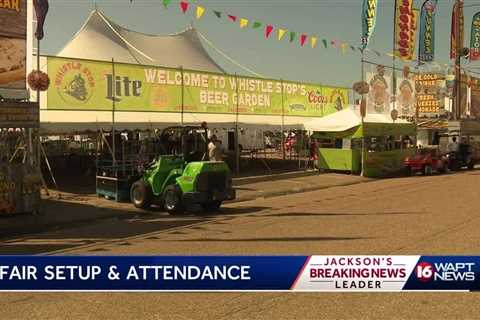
[(182, 174)]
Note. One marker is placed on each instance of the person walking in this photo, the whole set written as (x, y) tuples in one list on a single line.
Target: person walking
[(215, 149), (212, 147)]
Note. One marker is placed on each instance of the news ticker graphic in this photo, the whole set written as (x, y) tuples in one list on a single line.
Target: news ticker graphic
[(240, 273)]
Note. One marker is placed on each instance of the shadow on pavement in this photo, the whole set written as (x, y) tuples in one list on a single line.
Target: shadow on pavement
[(316, 214), (66, 225), (225, 211), (279, 239)]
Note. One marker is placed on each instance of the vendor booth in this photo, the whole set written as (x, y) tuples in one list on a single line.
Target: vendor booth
[(339, 138)]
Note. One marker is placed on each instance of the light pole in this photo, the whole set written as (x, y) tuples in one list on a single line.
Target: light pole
[(458, 52)]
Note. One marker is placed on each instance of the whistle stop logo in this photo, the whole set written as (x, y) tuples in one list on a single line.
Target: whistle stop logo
[(75, 83)]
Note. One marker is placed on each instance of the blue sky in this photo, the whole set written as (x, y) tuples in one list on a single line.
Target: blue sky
[(330, 19)]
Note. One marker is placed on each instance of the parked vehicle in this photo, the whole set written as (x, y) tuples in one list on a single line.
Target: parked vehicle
[(427, 161), (463, 158), (461, 151)]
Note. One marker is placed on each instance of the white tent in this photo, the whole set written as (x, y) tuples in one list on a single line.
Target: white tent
[(106, 40), (347, 119)]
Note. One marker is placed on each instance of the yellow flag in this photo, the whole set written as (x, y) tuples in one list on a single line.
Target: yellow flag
[(313, 41), (281, 33), (200, 12), (344, 48), (243, 23)]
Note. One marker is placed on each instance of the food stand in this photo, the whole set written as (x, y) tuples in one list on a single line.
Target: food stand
[(20, 178), (340, 136)]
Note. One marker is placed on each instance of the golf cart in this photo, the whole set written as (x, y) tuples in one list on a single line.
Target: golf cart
[(182, 175)]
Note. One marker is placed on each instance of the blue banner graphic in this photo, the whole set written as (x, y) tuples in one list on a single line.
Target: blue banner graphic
[(240, 273), (148, 273), (426, 48)]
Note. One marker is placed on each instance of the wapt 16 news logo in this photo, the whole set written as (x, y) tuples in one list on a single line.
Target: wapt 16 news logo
[(447, 272)]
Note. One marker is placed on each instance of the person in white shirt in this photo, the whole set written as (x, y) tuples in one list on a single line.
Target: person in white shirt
[(215, 149), (453, 146)]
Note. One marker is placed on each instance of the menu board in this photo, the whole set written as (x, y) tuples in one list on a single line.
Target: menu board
[(430, 102)]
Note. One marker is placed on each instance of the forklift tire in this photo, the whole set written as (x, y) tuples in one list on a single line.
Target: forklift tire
[(172, 200), (141, 195), (211, 206)]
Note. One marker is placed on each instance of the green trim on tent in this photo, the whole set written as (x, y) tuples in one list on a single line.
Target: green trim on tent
[(372, 130), (337, 134)]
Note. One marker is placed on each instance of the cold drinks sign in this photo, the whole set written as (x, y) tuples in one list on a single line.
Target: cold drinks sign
[(94, 85), (430, 102)]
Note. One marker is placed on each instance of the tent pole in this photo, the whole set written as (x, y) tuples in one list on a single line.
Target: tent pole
[(114, 95), (183, 95), (283, 125), (394, 58), (237, 146), (362, 114)]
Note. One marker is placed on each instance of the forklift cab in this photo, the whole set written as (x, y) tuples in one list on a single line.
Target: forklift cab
[(188, 142)]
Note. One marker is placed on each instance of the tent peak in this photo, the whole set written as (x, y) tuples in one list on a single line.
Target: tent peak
[(189, 28), (108, 39)]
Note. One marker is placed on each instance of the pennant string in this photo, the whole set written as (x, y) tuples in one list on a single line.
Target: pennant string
[(200, 11)]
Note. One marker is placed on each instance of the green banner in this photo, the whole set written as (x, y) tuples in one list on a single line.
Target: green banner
[(95, 85)]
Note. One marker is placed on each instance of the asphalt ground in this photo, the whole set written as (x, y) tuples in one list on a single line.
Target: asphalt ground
[(80, 206), (435, 215)]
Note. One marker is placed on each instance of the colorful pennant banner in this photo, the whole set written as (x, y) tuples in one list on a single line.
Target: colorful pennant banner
[(200, 11), (184, 6), (257, 25), (303, 38), (243, 23), (293, 35), (268, 31), (281, 33), (369, 13)]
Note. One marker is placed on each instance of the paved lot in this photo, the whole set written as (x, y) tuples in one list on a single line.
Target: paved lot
[(66, 209), (417, 215)]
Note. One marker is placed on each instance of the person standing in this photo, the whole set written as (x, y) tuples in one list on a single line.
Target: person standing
[(212, 148), (219, 151), (453, 146)]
